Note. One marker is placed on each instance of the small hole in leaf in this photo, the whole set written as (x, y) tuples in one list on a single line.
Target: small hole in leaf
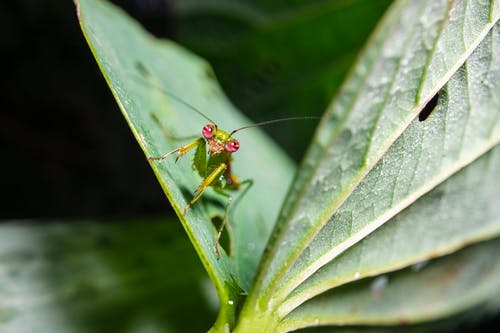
[(428, 108)]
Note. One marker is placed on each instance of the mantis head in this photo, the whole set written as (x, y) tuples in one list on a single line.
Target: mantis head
[(219, 140)]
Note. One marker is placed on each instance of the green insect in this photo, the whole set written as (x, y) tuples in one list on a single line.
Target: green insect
[(213, 156), (214, 168), (213, 161)]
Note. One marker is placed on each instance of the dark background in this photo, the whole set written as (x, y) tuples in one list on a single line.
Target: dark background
[(67, 152), (66, 149)]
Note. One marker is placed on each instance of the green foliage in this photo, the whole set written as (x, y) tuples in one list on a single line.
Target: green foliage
[(379, 193), (129, 59), (88, 276)]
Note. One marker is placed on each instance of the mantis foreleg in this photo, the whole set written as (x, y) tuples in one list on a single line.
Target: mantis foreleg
[(204, 184), (181, 150)]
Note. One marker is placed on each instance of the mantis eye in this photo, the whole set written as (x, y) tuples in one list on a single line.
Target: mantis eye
[(208, 131), (232, 146)]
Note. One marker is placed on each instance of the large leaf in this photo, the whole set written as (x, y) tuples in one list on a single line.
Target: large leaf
[(465, 199), (445, 286), (137, 68), (336, 200), (465, 125), (94, 277)]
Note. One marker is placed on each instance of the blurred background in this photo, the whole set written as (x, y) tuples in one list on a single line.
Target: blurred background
[(69, 155), (67, 150)]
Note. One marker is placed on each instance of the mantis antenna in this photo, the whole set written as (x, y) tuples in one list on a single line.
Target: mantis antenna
[(148, 78), (272, 121)]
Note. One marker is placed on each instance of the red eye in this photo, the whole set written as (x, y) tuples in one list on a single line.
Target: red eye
[(232, 146), (208, 131)]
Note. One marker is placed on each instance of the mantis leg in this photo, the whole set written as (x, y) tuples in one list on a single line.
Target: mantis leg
[(180, 151), (248, 182), (223, 223), (204, 184)]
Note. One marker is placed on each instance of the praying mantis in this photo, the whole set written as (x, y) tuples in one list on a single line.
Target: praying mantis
[(213, 155), (214, 168)]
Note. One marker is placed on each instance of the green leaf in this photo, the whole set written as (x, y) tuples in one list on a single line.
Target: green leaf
[(462, 126), (462, 209), (445, 286), (351, 182), (139, 70), (95, 277), (421, 231)]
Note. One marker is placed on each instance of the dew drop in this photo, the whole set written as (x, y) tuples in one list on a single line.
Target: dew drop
[(378, 286)]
